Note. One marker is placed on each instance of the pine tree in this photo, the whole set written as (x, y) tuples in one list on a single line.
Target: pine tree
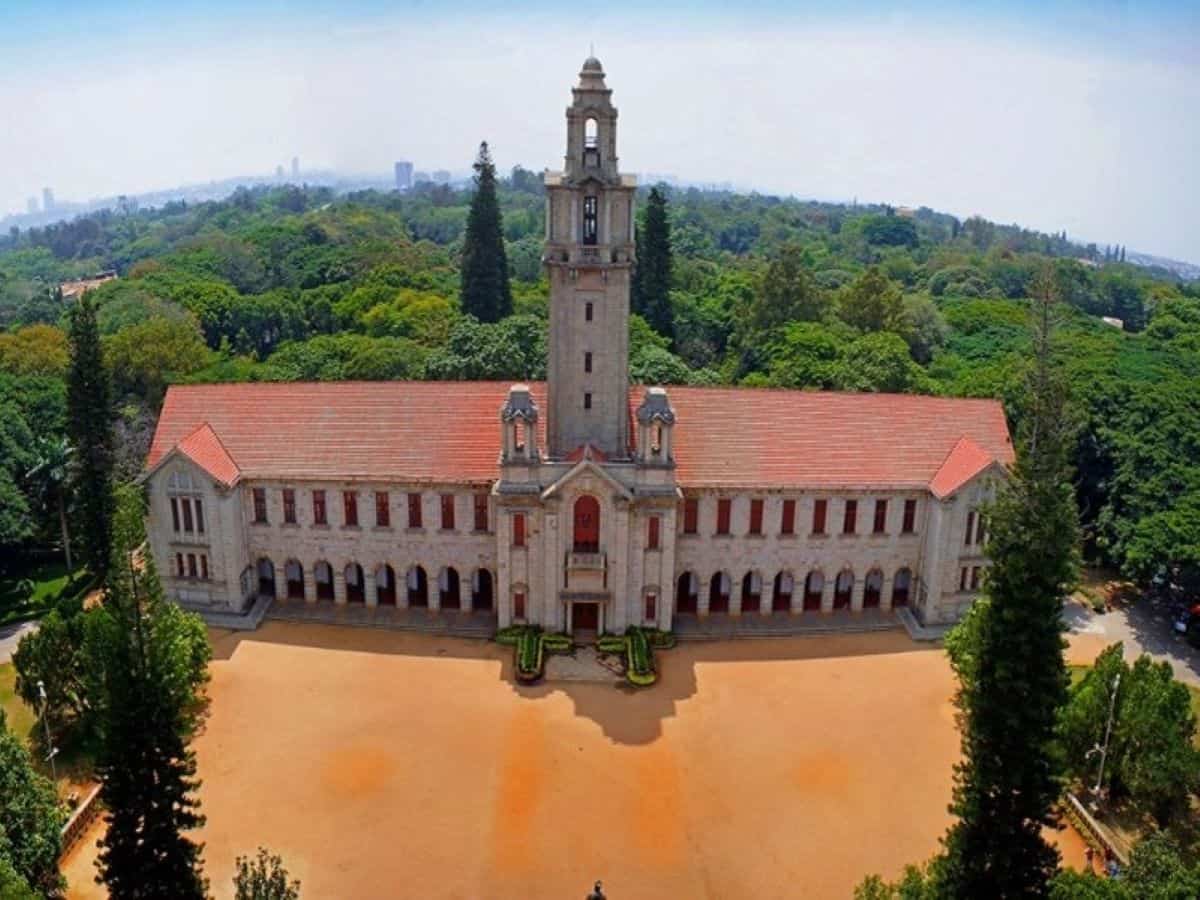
[(148, 659), (1010, 776), (652, 293), (485, 292), (89, 425)]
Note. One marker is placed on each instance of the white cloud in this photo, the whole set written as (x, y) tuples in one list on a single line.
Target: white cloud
[(1048, 137)]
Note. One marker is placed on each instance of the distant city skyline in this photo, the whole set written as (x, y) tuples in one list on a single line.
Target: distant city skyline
[(1067, 116)]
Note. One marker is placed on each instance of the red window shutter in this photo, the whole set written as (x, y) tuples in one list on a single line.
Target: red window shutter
[(383, 512), (723, 507), (519, 530), (910, 516), (880, 516), (691, 515), (756, 514), (819, 508), (414, 510), (787, 524), (319, 508), (260, 509), (850, 518), (350, 503), (519, 605), (448, 512), (652, 533), (481, 512), (651, 607), (289, 506)]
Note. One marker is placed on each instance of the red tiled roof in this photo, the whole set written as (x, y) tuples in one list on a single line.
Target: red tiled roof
[(205, 449), (450, 432), (963, 463)]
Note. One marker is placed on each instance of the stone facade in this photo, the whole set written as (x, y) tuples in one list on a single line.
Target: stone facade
[(595, 530)]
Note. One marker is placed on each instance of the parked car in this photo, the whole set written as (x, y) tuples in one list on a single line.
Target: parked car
[(1185, 620)]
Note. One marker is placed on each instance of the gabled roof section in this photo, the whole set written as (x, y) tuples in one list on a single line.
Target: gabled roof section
[(966, 460), (205, 449), (586, 464)]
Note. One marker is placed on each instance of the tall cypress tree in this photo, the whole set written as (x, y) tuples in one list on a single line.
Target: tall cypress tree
[(1010, 775), (89, 424), (147, 659), (485, 292), (652, 281)]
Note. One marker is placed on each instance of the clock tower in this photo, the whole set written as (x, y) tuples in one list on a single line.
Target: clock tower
[(589, 258)]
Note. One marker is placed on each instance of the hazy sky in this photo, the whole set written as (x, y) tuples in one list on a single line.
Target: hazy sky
[(1083, 116)]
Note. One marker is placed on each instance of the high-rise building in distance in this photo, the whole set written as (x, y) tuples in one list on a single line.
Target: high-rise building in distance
[(31, 205), (47, 200), (441, 176), (404, 175)]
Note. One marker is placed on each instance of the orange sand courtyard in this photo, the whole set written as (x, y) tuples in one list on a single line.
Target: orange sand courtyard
[(383, 764)]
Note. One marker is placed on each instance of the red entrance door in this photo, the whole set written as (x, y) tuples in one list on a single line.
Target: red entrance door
[(585, 617), (587, 525)]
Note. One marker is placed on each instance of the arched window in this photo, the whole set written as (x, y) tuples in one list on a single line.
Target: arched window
[(781, 600), (872, 589), (718, 593), (687, 589), (587, 525), (814, 586), (323, 576), (417, 586), (591, 230), (448, 589), (294, 572), (751, 592), (901, 586), (355, 591), (481, 589), (591, 133), (842, 588), (266, 577), (385, 585)]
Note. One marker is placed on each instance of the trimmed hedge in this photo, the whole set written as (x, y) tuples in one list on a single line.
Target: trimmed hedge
[(531, 647)]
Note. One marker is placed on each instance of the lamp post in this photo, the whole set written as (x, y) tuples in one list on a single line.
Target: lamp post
[(51, 750), (1112, 707)]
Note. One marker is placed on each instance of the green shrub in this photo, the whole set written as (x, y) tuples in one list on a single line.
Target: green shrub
[(556, 643), (511, 635), (611, 643)]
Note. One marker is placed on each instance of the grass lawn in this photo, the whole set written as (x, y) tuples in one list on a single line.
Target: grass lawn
[(49, 581), (20, 717)]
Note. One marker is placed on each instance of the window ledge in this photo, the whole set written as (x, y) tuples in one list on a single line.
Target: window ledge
[(351, 528), (381, 527), (321, 526), (416, 530), (819, 535), (291, 525), (722, 535), (260, 523)]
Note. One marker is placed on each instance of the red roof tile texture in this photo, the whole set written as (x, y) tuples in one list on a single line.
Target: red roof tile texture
[(204, 448), (449, 432), (965, 461)]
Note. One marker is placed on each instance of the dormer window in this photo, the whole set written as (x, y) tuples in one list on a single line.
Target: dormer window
[(589, 220)]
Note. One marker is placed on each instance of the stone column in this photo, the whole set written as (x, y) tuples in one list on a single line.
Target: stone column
[(502, 583), (339, 585), (856, 593), (617, 560), (766, 600), (280, 581), (827, 593), (735, 596), (433, 582), (885, 593), (370, 588), (310, 584), (702, 597), (799, 583)]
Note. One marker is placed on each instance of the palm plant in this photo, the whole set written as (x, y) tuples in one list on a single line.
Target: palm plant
[(50, 473)]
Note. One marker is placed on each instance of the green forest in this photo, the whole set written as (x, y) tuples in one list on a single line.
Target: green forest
[(297, 283)]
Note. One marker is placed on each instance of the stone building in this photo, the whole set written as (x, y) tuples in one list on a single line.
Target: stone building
[(580, 504)]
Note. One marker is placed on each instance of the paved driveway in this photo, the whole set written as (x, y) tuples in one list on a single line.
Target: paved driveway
[(385, 764), (10, 636), (1143, 626)]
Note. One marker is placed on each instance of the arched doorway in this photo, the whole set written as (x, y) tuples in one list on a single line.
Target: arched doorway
[(587, 524), (842, 588), (355, 590), (718, 593), (751, 592), (814, 586), (385, 585), (294, 572), (266, 577), (481, 589), (901, 586), (417, 586), (781, 600), (872, 589), (686, 591), (323, 576), (448, 589)]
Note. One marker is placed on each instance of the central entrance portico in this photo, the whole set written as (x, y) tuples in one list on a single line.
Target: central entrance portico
[(585, 616)]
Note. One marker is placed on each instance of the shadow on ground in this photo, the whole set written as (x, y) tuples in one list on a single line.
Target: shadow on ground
[(637, 718)]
